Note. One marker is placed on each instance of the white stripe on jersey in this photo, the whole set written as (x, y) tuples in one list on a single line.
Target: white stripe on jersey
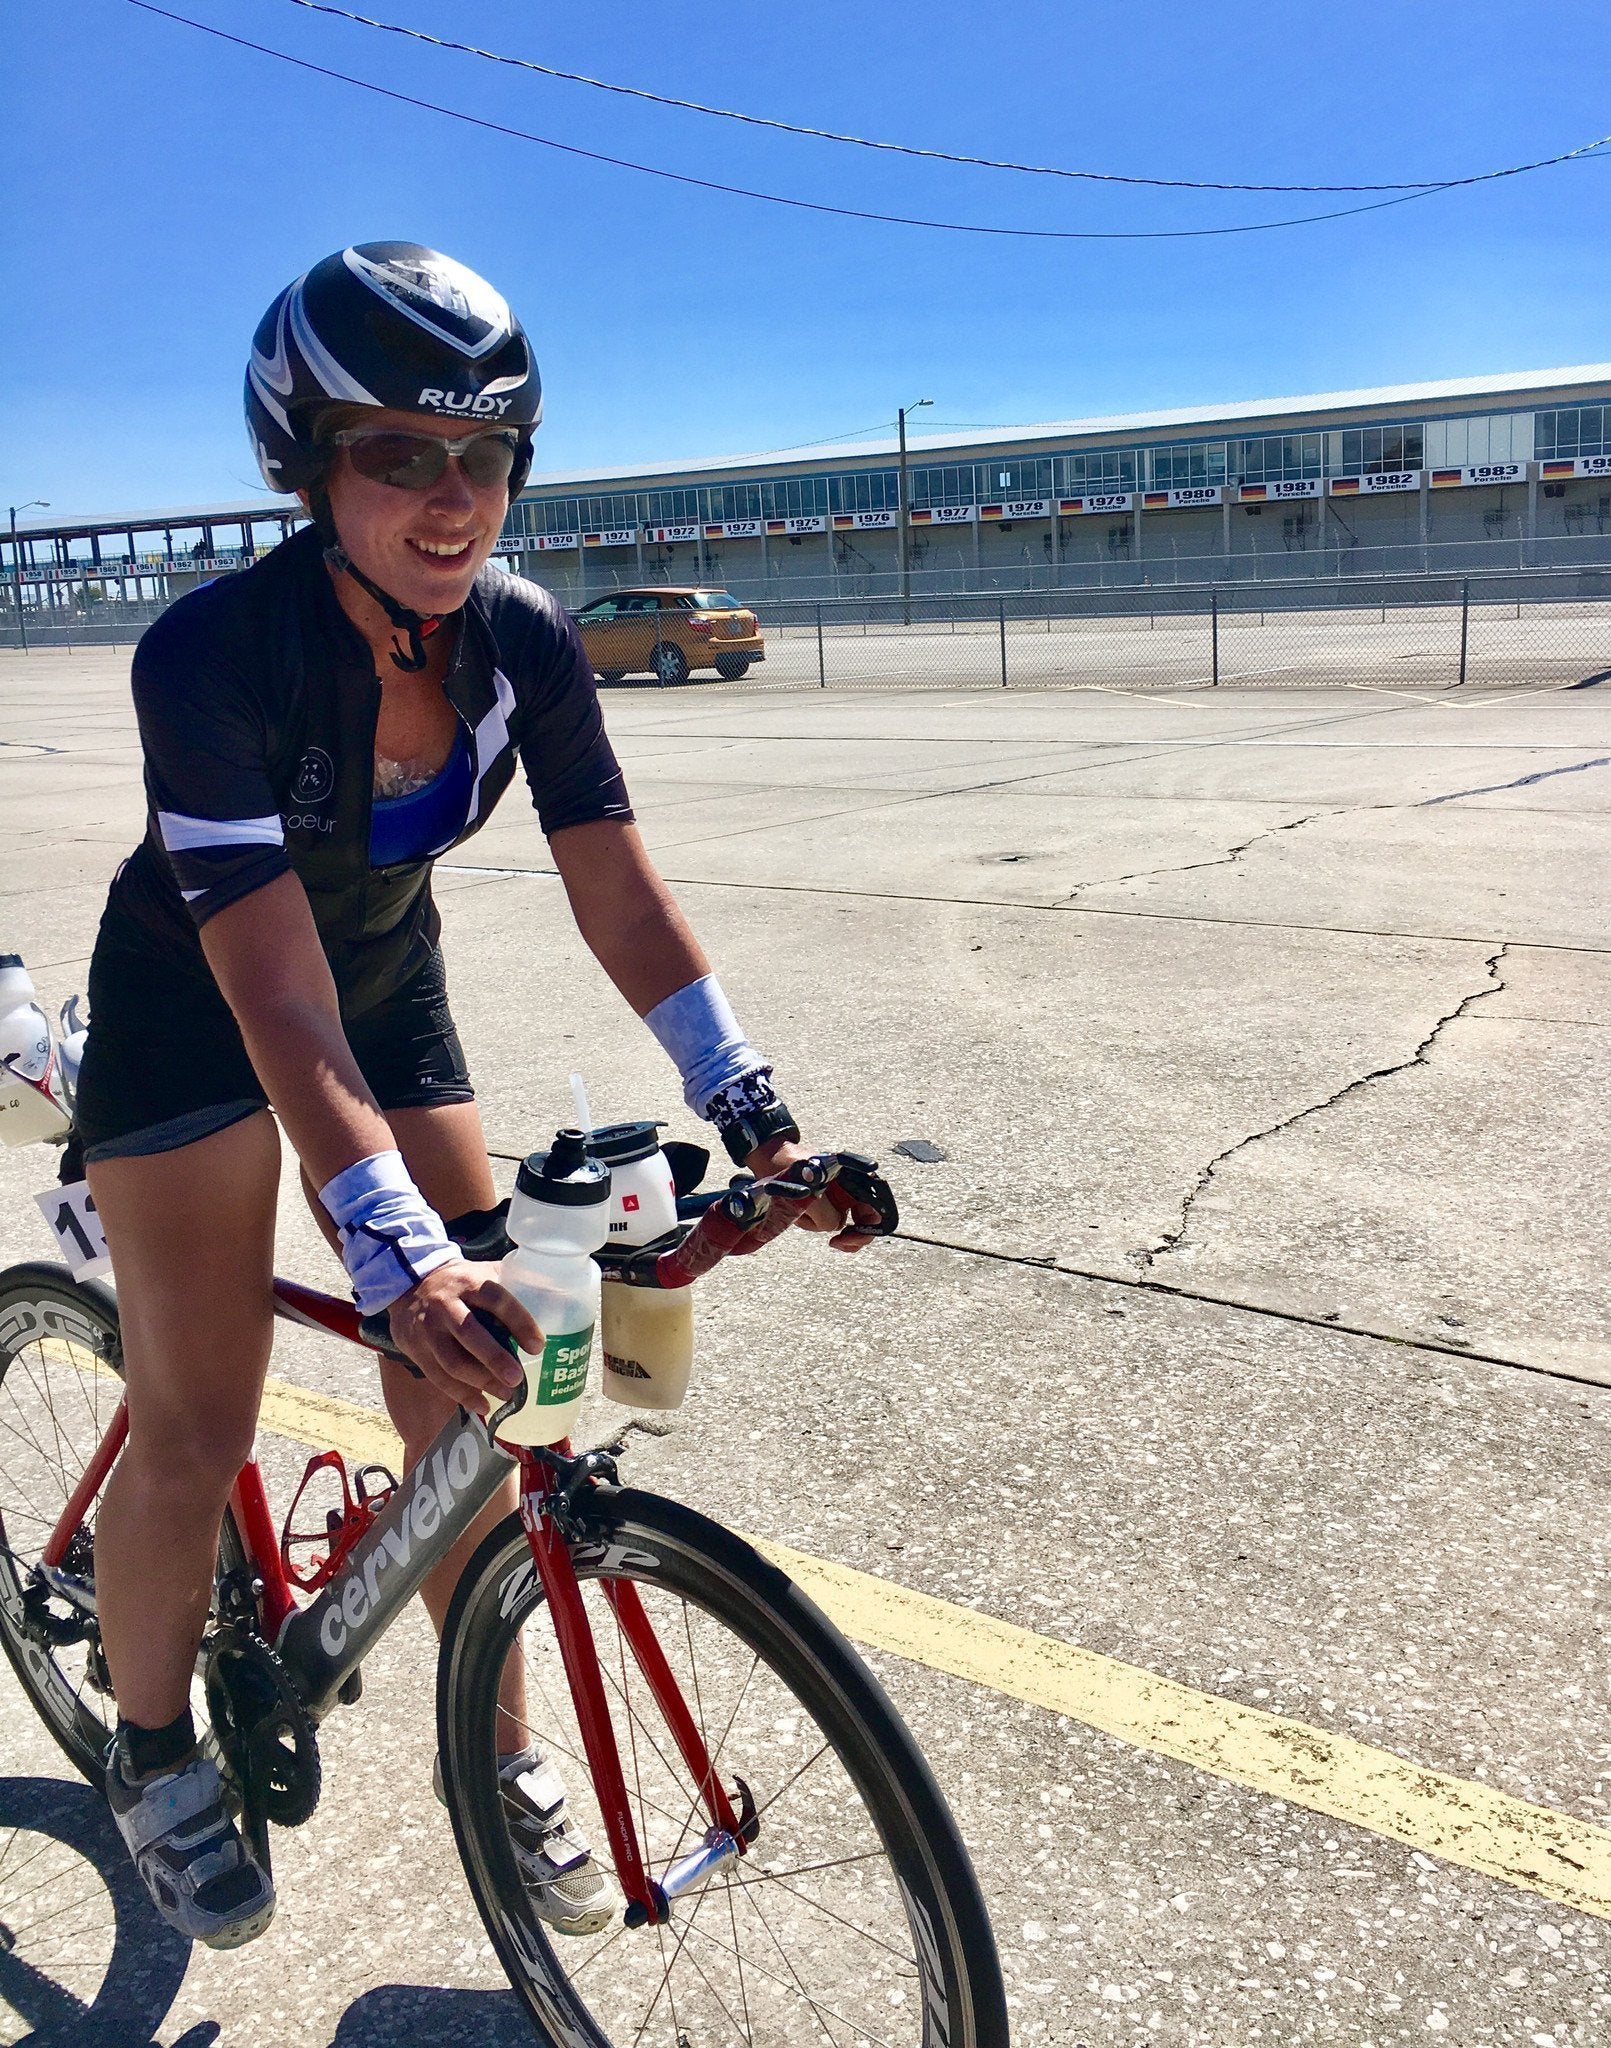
[(181, 834), (491, 736)]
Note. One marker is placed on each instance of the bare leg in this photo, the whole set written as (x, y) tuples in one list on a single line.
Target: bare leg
[(192, 1236)]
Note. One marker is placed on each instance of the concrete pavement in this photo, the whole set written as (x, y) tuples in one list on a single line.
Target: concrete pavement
[(1239, 998)]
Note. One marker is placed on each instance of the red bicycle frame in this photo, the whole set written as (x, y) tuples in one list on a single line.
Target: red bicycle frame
[(557, 1575)]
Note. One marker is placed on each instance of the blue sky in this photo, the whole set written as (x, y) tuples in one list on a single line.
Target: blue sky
[(158, 187)]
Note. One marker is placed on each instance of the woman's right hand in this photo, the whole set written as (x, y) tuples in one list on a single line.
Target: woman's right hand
[(434, 1324)]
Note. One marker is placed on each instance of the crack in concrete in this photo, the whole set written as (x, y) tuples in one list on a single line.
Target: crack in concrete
[(1521, 781), (1225, 860), (1172, 1239)]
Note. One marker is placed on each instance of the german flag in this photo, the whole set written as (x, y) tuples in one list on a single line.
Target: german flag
[(842, 520), (1249, 493), (989, 511), (713, 530), (777, 526), (1071, 504), (921, 517), (1566, 468), (1342, 486), (1152, 498), (1443, 478)]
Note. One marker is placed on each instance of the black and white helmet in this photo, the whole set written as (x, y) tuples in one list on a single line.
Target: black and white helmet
[(387, 324)]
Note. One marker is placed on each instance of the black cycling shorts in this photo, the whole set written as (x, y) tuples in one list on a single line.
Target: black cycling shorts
[(164, 1066)]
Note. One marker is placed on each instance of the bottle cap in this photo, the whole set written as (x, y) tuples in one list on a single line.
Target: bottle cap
[(624, 1144), (564, 1175)]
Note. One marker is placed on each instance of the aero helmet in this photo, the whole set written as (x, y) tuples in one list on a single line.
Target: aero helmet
[(388, 324)]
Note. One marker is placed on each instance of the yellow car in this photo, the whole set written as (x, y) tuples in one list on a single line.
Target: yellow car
[(667, 632)]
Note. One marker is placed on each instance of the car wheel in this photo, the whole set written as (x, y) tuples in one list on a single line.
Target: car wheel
[(670, 663), (732, 666)]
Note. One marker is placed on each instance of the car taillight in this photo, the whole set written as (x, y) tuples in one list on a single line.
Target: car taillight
[(697, 624)]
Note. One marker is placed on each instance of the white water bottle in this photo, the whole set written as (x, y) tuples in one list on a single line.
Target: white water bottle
[(558, 1218), (31, 1104), (646, 1333), (643, 1197)]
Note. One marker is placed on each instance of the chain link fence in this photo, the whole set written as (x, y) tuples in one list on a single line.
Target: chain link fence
[(1524, 629), (1521, 628)]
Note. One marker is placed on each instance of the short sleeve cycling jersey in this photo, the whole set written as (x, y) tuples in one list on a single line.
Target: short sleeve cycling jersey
[(257, 704)]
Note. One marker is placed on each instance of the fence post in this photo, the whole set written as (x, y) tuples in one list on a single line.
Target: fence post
[(822, 673), (1465, 621), (1002, 610), (1213, 627)]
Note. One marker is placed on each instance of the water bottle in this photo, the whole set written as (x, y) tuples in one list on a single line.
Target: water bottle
[(643, 1198), (646, 1333), (70, 1051), (558, 1218), (31, 1102)]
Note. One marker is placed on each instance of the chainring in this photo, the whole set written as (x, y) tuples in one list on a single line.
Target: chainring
[(262, 1727)]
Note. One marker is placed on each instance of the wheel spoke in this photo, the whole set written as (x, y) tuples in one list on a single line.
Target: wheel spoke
[(801, 1953)]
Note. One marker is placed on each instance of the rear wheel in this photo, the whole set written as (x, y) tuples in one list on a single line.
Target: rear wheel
[(732, 666), (853, 1915), (670, 663), (61, 1369)]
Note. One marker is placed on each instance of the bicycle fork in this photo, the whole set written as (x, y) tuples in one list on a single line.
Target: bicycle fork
[(544, 1510)]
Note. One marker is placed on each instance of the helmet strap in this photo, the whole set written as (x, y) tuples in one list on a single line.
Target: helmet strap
[(417, 625)]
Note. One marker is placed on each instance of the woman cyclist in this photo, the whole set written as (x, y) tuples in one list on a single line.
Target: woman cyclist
[(317, 730)]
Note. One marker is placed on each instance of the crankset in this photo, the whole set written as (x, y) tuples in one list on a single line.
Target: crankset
[(262, 1727)]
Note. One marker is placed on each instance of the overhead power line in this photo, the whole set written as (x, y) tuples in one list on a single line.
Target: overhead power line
[(901, 220), (944, 156)]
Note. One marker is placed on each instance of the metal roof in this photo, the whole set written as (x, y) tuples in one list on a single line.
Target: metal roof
[(1516, 383), (1442, 393), (165, 515)]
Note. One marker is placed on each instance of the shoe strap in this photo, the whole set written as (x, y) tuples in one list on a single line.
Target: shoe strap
[(539, 1787), (167, 1803)]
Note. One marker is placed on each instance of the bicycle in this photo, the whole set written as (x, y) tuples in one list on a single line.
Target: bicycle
[(789, 1869)]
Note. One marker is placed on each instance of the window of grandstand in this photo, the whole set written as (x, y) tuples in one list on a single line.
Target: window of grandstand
[(1374, 451), (955, 483), (1576, 430), (672, 508), (866, 490), (736, 501), (1278, 458), (1184, 465), (1103, 469), (1028, 478), (1493, 437), (620, 508), (796, 497)]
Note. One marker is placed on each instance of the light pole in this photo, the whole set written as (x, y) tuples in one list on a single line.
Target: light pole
[(16, 562), (906, 552)]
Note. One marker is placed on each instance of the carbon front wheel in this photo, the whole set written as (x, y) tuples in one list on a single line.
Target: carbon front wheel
[(852, 1914), (61, 1368)]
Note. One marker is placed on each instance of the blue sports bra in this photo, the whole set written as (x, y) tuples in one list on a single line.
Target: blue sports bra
[(413, 827)]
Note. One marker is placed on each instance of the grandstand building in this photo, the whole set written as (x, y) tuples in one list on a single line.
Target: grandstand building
[(1507, 470)]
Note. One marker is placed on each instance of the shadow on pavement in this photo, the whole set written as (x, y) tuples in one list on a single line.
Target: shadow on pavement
[(393, 2015), (84, 1960)]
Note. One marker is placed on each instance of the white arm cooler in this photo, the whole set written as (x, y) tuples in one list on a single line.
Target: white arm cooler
[(696, 1026), (390, 1235)]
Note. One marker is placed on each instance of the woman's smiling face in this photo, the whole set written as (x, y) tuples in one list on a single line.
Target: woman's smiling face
[(425, 548)]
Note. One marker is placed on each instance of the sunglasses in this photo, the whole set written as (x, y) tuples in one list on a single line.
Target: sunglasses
[(413, 462)]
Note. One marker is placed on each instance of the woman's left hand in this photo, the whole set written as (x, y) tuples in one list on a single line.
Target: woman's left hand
[(824, 1215)]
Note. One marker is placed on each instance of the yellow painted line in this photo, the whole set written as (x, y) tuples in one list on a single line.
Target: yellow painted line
[(1458, 1819), (325, 1423)]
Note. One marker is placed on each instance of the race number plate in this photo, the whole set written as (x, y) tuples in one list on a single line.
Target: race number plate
[(70, 1212)]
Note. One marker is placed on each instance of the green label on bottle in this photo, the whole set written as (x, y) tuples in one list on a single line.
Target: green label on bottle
[(562, 1372)]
